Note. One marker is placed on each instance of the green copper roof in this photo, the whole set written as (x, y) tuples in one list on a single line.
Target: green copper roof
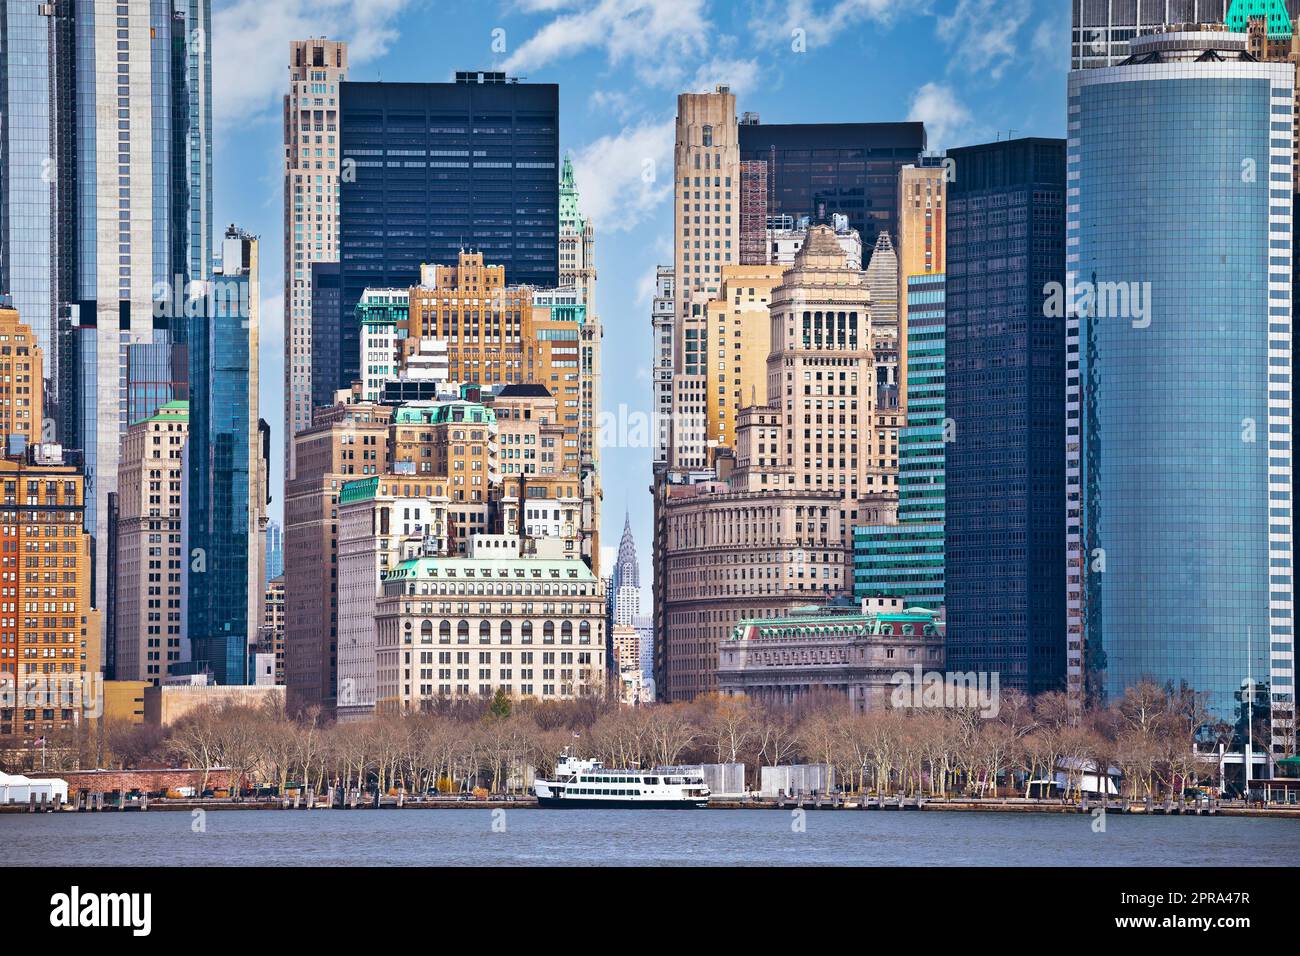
[(471, 413), (481, 569), (1274, 11), (363, 489), (177, 411), (832, 625)]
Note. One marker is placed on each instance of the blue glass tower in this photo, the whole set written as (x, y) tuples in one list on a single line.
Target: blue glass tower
[(905, 560), (222, 569), (1005, 375), (1179, 401)]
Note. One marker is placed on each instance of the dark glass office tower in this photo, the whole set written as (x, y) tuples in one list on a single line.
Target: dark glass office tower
[(222, 578), (816, 169), (429, 169), (326, 367), (1005, 388)]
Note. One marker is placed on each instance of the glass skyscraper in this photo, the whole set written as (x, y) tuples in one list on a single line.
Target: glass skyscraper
[(430, 169), (1179, 376), (105, 210), (905, 560), (816, 169), (223, 574), (1005, 375)]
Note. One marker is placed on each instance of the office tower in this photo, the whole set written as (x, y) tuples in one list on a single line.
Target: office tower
[(905, 560), (739, 325), (577, 241), (270, 639), (753, 213), (1005, 362), (921, 236), (311, 215), (626, 580), (148, 561), (22, 363), (345, 442), (105, 226), (818, 169), (1178, 445), (383, 319), (274, 550), (662, 328), (52, 657), (324, 361), (441, 168), (882, 280), (380, 526), (1102, 28), (225, 477)]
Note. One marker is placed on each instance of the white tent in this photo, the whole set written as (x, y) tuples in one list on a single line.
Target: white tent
[(16, 788)]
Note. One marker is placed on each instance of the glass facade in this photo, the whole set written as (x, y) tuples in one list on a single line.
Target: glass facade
[(1179, 407), (816, 169), (429, 169), (220, 475), (906, 560), (1005, 375)]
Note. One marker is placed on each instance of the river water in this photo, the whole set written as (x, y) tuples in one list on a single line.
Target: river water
[(531, 837)]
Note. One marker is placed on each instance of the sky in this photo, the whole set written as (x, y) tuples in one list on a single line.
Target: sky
[(971, 70)]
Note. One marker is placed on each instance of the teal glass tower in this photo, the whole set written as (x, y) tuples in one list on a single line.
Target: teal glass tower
[(1179, 378), (905, 560)]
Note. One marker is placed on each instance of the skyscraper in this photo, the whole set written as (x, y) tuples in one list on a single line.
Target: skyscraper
[(311, 211), (1102, 29), (1179, 390), (434, 169), (905, 560), (626, 581), (224, 583), (1005, 365), (106, 186), (818, 169)]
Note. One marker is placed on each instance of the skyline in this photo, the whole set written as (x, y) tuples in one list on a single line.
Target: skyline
[(944, 63)]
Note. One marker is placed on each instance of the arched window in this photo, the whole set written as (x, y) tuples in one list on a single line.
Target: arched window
[(462, 632), (566, 632), (708, 136), (907, 630), (426, 632), (584, 632), (548, 632), (506, 632), (484, 632), (444, 632), (526, 632)]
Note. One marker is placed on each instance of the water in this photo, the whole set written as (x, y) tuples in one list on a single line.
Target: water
[(640, 837)]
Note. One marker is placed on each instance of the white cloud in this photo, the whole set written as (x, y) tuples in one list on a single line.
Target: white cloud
[(945, 117), (250, 45), (650, 36), (777, 20), (622, 177), (740, 75), (984, 34)]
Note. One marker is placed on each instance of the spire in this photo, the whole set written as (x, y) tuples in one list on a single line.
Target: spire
[(626, 571), (569, 214)]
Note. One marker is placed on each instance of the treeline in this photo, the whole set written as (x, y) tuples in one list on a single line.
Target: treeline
[(458, 746)]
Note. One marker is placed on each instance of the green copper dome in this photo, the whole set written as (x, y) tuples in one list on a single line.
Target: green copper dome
[(1279, 22)]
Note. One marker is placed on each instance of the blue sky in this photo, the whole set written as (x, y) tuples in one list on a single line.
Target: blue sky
[(971, 69)]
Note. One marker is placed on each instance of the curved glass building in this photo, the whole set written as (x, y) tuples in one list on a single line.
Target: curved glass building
[(1178, 310)]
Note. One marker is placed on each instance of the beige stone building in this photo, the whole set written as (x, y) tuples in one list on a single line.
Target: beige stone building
[(467, 626), (346, 442), (738, 330), (149, 563), (312, 163), (829, 650), (732, 555)]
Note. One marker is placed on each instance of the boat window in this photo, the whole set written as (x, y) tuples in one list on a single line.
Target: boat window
[(652, 781)]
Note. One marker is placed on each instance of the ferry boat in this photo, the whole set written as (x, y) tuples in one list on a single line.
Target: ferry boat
[(590, 784)]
